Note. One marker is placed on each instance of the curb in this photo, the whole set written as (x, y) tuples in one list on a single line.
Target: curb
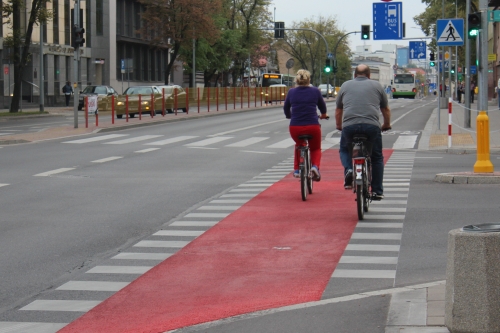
[(468, 178)]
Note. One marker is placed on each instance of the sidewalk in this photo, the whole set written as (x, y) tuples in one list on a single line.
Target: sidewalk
[(464, 139)]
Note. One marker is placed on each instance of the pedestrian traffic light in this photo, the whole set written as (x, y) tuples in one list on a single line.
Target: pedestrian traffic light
[(452, 69), (432, 63), (327, 68), (78, 37), (474, 21), (365, 32), (279, 30)]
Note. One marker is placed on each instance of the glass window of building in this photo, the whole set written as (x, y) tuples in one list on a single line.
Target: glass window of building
[(99, 17)]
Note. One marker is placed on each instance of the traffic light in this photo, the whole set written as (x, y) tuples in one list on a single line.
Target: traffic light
[(365, 32), (327, 68), (431, 56), (452, 69), (432, 64), (474, 21), (78, 37), (279, 31)]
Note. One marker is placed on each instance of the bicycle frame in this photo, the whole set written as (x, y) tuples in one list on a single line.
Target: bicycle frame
[(306, 182), (362, 175)]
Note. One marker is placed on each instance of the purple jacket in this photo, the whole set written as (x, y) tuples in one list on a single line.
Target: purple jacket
[(301, 103)]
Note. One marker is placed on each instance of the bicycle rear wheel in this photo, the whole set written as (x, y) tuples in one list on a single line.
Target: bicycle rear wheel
[(360, 201), (303, 182), (309, 173)]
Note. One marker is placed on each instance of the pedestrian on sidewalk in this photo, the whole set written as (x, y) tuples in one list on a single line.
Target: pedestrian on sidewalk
[(67, 91), (460, 91), (472, 88)]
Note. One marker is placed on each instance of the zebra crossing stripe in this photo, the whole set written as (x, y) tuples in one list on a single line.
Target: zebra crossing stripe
[(364, 273), (32, 327), (97, 138), (134, 139), (247, 142), (93, 285), (60, 305), (368, 260), (171, 140), (206, 142), (119, 269), (283, 144), (142, 256)]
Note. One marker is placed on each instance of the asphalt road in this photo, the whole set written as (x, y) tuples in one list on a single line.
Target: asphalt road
[(68, 206)]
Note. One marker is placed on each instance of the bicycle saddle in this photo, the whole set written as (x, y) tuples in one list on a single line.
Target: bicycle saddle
[(359, 138), (305, 137)]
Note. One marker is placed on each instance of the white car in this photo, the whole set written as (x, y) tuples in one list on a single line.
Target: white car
[(324, 90)]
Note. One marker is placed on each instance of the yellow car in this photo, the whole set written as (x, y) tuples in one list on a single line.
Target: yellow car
[(148, 104), (103, 93), (170, 92)]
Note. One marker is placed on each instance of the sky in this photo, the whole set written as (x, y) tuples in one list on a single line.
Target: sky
[(350, 15)]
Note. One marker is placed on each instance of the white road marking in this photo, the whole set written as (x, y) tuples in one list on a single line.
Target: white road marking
[(147, 150), (247, 142), (171, 140), (207, 142), (53, 172), (97, 138), (363, 235), (142, 256), (119, 269), (30, 327), (169, 244), (134, 139), (245, 128), (186, 233), (60, 305), (93, 285), (107, 159), (283, 144), (194, 223), (364, 273), (368, 260), (372, 247)]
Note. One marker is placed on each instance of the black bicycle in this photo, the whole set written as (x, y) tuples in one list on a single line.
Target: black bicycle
[(306, 175), (362, 173)]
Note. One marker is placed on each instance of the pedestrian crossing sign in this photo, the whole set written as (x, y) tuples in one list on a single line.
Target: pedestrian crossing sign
[(450, 32)]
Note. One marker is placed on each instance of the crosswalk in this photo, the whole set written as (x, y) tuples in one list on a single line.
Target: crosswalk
[(373, 250), (190, 141)]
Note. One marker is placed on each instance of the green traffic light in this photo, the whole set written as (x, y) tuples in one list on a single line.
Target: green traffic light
[(365, 36), (473, 33), (327, 69), (432, 64)]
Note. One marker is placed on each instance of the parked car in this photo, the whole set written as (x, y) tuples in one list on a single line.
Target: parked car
[(326, 89), (275, 92), (147, 105), (170, 92), (103, 93)]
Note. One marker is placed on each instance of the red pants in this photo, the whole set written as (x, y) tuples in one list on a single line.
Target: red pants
[(314, 143)]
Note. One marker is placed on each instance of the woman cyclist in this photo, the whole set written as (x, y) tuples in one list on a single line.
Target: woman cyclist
[(300, 107)]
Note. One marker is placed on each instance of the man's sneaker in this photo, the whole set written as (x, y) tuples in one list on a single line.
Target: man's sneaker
[(316, 174), (348, 179), (377, 197), (296, 174)]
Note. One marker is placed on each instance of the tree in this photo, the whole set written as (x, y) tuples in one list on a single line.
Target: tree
[(309, 49), (175, 23), (20, 40)]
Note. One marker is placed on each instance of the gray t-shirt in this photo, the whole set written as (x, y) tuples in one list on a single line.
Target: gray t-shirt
[(361, 100)]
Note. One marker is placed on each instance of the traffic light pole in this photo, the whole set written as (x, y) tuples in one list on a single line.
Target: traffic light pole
[(76, 12)]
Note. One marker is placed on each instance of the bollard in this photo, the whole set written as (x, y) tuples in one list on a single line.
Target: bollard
[(472, 304), (140, 107), (96, 118), (126, 107), (483, 163)]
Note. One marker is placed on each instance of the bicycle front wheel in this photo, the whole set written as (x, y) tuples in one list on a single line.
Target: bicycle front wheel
[(360, 201)]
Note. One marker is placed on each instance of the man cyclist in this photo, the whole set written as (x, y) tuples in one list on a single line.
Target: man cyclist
[(358, 104)]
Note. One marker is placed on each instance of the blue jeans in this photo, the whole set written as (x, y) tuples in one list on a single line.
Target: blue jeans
[(375, 137)]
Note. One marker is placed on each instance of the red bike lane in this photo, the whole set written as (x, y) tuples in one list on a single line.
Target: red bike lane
[(275, 250)]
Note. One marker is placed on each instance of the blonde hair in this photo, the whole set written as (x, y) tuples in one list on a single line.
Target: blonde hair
[(303, 77)]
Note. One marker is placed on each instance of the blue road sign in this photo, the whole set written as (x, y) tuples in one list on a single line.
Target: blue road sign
[(432, 86), (450, 32), (473, 69), (123, 64), (387, 20), (418, 50)]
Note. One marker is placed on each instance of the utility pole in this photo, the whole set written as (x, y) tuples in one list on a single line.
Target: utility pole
[(467, 69)]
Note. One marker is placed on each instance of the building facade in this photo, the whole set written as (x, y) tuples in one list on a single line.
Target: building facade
[(112, 40)]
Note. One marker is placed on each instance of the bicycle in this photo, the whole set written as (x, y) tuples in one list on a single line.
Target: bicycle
[(306, 175), (362, 177)]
